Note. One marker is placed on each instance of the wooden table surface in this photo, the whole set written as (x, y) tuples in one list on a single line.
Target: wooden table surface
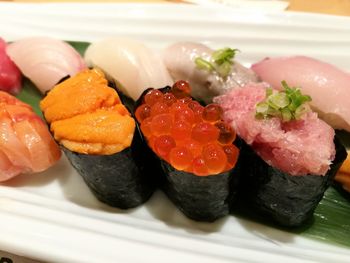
[(336, 7)]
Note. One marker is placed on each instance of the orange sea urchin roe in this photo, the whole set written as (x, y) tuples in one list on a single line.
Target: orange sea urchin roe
[(190, 137), (86, 116)]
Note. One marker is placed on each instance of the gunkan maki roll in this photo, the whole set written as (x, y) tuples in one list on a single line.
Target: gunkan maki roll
[(98, 135), (195, 149), (290, 156)]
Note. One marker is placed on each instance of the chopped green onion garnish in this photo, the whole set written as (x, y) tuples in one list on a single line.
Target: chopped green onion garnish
[(286, 114), (221, 62), (223, 55), (262, 107), (224, 69), (287, 105), (203, 64), (269, 92), (278, 100), (301, 110)]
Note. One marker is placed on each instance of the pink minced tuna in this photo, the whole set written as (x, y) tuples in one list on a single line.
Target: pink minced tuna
[(297, 147)]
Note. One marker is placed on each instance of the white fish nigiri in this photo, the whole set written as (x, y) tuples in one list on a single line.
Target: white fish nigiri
[(132, 65), (180, 58), (328, 86), (45, 61)]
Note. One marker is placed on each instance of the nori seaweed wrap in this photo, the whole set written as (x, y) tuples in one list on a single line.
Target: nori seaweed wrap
[(201, 189), (289, 162), (201, 198), (287, 199), (121, 180), (100, 139)]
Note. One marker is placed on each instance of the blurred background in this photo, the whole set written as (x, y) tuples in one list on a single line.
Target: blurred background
[(334, 7)]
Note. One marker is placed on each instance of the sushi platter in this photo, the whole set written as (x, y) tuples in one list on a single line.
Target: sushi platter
[(202, 176)]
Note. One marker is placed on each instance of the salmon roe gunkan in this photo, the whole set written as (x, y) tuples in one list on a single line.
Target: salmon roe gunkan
[(191, 137)]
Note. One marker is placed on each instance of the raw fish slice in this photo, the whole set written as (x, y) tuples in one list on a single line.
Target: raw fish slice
[(179, 59), (45, 61), (7, 169), (39, 158), (11, 146), (26, 145), (328, 86), (133, 66), (10, 76)]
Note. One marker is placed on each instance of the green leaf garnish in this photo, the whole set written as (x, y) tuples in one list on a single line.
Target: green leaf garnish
[(289, 104), (221, 62)]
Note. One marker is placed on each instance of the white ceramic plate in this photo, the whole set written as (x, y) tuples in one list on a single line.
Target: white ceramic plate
[(52, 216)]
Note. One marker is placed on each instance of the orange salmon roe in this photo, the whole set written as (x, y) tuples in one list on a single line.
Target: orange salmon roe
[(163, 145), (143, 112), (205, 132), (191, 137), (212, 113), (180, 157), (214, 157), (153, 96), (146, 127), (181, 130), (161, 124), (199, 166), (231, 152), (181, 89), (226, 133), (159, 108)]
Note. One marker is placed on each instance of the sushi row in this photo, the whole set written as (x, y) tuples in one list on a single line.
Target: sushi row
[(257, 144)]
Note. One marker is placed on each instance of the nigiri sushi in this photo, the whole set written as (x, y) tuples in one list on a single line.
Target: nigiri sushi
[(97, 134), (210, 73), (290, 156), (26, 145), (45, 61), (194, 148), (10, 76), (328, 85), (133, 66)]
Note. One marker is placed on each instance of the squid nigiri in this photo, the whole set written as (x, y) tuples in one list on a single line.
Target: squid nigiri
[(26, 145), (210, 73), (10, 76), (132, 65), (45, 61), (328, 86)]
